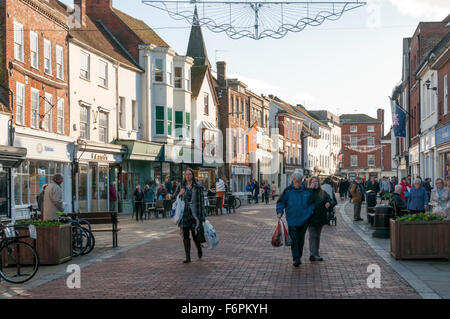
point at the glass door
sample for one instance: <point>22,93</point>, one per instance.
<point>94,189</point>
<point>103,188</point>
<point>3,194</point>
<point>83,188</point>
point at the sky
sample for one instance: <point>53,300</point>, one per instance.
<point>346,66</point>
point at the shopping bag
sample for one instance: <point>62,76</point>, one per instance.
<point>285,238</point>
<point>177,210</point>
<point>210,234</point>
<point>277,240</point>
<point>201,234</point>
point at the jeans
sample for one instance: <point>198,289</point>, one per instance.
<point>314,240</point>
<point>356,210</point>
<point>139,210</point>
<point>297,234</point>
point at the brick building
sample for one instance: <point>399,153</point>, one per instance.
<point>34,66</point>
<point>361,145</point>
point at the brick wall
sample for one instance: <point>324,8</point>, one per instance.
<point>387,157</point>
<point>51,27</point>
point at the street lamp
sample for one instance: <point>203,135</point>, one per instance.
<point>428,83</point>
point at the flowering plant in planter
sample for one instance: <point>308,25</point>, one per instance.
<point>422,217</point>
<point>39,222</point>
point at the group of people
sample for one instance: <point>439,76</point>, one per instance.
<point>254,188</point>
<point>306,204</point>
<point>404,197</point>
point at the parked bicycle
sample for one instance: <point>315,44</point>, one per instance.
<point>19,261</point>
<point>83,241</point>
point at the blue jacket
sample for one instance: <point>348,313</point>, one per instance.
<point>298,205</point>
<point>417,199</point>
<point>149,197</point>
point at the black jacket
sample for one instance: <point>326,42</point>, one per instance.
<point>320,215</point>
<point>373,186</point>
<point>398,201</point>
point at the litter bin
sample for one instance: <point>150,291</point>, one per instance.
<point>381,221</point>
<point>371,199</point>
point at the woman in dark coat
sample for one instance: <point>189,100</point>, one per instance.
<point>322,202</point>
<point>194,213</point>
<point>139,202</point>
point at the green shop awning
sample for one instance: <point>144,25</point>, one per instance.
<point>143,151</point>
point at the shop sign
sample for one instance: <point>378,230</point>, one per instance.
<point>241,170</point>
<point>99,157</point>
<point>447,170</point>
<point>443,135</point>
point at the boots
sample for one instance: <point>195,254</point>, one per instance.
<point>187,250</point>
<point>199,249</point>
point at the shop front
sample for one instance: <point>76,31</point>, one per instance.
<point>414,164</point>
<point>96,171</point>
<point>240,176</point>
<point>443,151</point>
<point>428,158</point>
<point>46,156</point>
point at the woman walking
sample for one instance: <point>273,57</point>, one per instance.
<point>322,202</point>
<point>139,202</point>
<point>194,213</point>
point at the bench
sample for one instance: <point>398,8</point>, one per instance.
<point>103,218</point>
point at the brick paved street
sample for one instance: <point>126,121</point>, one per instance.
<point>243,265</point>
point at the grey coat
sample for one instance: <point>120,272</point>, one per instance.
<point>53,201</point>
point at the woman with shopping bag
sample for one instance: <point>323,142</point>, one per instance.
<point>194,213</point>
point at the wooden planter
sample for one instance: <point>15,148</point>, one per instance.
<point>420,240</point>
<point>53,244</point>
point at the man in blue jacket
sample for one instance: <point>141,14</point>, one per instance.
<point>297,204</point>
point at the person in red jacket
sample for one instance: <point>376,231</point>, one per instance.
<point>406,187</point>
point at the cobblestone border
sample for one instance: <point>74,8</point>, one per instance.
<point>415,282</point>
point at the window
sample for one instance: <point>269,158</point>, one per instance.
<point>169,73</point>
<point>299,158</point>
<point>60,124</point>
<point>18,42</point>
<point>134,115</point>
<point>103,127</point>
<point>353,129</point>
<point>188,125</point>
<point>288,125</point>
<point>34,48</point>
<point>370,160</point>
<point>169,121</point>
<point>371,128</point>
<point>299,133</point>
<point>179,124</point>
<point>84,122</point>
<point>159,72</point>
<point>445,94</point>
<point>232,106</point>
<point>20,103</point>
<point>160,120</point>
<point>288,155</point>
<point>178,78</point>
<point>34,108</point>
<point>353,141</point>
<point>354,160</point>
<point>122,113</point>
<point>85,64</point>
<point>242,110</point>
<point>48,112</point>
<point>187,86</point>
<point>103,74</point>
<point>59,62</point>
<point>47,57</point>
<point>371,142</point>
<point>206,99</point>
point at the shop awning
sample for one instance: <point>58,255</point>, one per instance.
<point>143,151</point>
<point>209,126</point>
<point>12,157</point>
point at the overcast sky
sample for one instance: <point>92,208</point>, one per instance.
<point>345,66</point>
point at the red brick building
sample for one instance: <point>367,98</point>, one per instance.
<point>361,144</point>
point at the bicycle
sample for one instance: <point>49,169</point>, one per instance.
<point>19,261</point>
<point>237,201</point>
<point>83,241</point>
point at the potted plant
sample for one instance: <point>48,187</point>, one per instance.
<point>385,198</point>
<point>53,240</point>
<point>420,236</point>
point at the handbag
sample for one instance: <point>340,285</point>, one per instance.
<point>200,232</point>
<point>177,210</point>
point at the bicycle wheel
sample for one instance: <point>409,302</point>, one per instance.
<point>80,240</point>
<point>19,262</point>
<point>237,202</point>
<point>91,243</point>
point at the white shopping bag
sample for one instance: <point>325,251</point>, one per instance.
<point>210,234</point>
<point>177,210</point>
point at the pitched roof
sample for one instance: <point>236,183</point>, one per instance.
<point>357,118</point>
<point>285,108</point>
<point>310,132</point>
<point>196,46</point>
<point>141,29</point>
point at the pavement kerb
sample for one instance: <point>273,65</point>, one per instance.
<point>18,290</point>
<point>415,282</point>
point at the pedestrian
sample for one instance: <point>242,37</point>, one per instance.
<point>220,189</point>
<point>138,196</point>
<point>322,204</point>
<point>266,189</point>
<point>41,199</point>
<point>342,189</point>
<point>168,186</point>
<point>386,186</point>
<point>194,213</point>
<point>212,191</point>
<point>357,192</point>
<point>440,199</point>
<point>427,186</point>
<point>161,193</point>
<point>249,189</point>
<point>409,180</point>
<point>418,198</point>
<point>406,187</point>
<point>149,197</point>
<point>53,198</point>
<point>296,202</point>
<point>328,186</point>
<point>112,197</point>
<point>256,191</point>
<point>397,201</point>
<point>372,185</point>
<point>274,190</point>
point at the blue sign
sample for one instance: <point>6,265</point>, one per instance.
<point>443,135</point>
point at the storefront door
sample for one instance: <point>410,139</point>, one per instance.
<point>93,181</point>
<point>103,188</point>
<point>82,188</point>
<point>3,194</point>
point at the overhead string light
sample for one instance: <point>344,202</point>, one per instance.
<point>254,19</point>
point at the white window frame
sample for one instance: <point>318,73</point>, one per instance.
<point>103,73</point>
<point>103,127</point>
<point>371,128</point>
<point>34,121</point>
<point>20,103</point>
<point>355,140</point>
<point>47,57</point>
<point>159,70</point>
<point>48,111</point>
<point>187,80</point>
<point>59,62</point>
<point>178,79</point>
<point>371,138</point>
<point>60,116</point>
<point>122,112</point>
<point>87,131</point>
<point>353,129</point>
<point>370,156</point>
<point>134,115</point>
<point>85,70</point>
<point>288,155</point>
<point>19,51</point>
<point>352,162</point>
<point>34,49</point>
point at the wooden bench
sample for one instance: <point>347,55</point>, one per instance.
<point>103,218</point>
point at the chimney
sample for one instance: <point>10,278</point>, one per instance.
<point>97,8</point>
<point>221,73</point>
<point>380,117</point>
<point>81,4</point>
